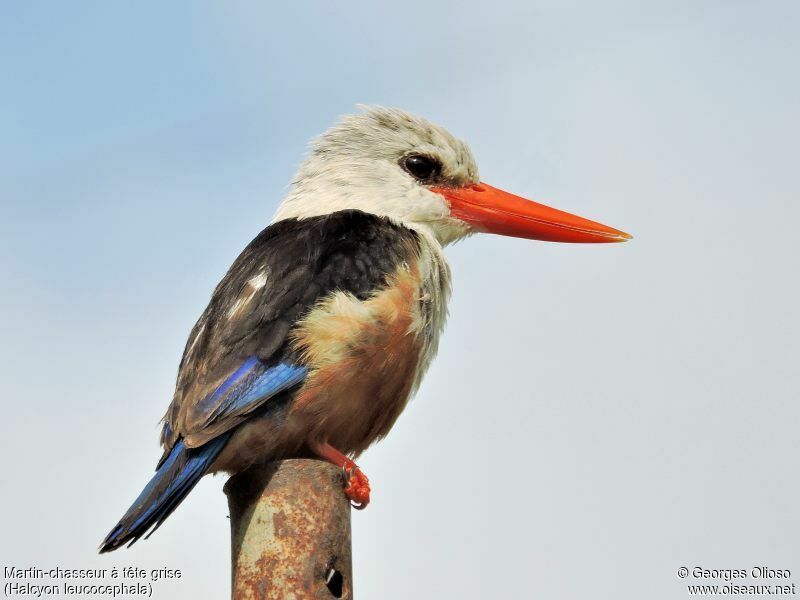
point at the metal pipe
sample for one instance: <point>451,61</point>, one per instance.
<point>290,532</point>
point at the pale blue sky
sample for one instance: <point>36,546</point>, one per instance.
<point>597,417</point>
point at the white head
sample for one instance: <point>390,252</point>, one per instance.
<point>364,163</point>
<point>389,163</point>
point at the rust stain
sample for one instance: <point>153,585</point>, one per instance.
<point>290,530</point>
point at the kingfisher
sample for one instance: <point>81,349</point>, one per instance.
<point>323,327</point>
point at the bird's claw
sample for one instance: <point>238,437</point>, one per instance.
<point>357,489</point>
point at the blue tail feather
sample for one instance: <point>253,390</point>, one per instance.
<point>174,479</point>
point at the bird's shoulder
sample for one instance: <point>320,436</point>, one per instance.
<point>347,250</point>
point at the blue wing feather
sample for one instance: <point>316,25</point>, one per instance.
<point>247,388</point>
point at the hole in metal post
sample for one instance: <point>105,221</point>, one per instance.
<point>335,583</point>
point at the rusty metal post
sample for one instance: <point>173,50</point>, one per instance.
<point>290,532</point>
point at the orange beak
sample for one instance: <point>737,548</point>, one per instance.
<point>488,209</point>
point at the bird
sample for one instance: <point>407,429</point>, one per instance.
<point>323,327</point>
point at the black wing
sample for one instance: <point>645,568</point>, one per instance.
<point>281,274</point>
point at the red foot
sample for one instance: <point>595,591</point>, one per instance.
<point>357,488</point>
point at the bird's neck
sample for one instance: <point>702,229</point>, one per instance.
<point>436,283</point>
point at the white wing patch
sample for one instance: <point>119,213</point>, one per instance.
<point>254,284</point>
<point>195,339</point>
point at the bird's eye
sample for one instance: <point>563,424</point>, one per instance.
<point>421,166</point>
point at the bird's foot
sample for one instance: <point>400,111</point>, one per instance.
<point>357,484</point>
<point>357,488</point>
